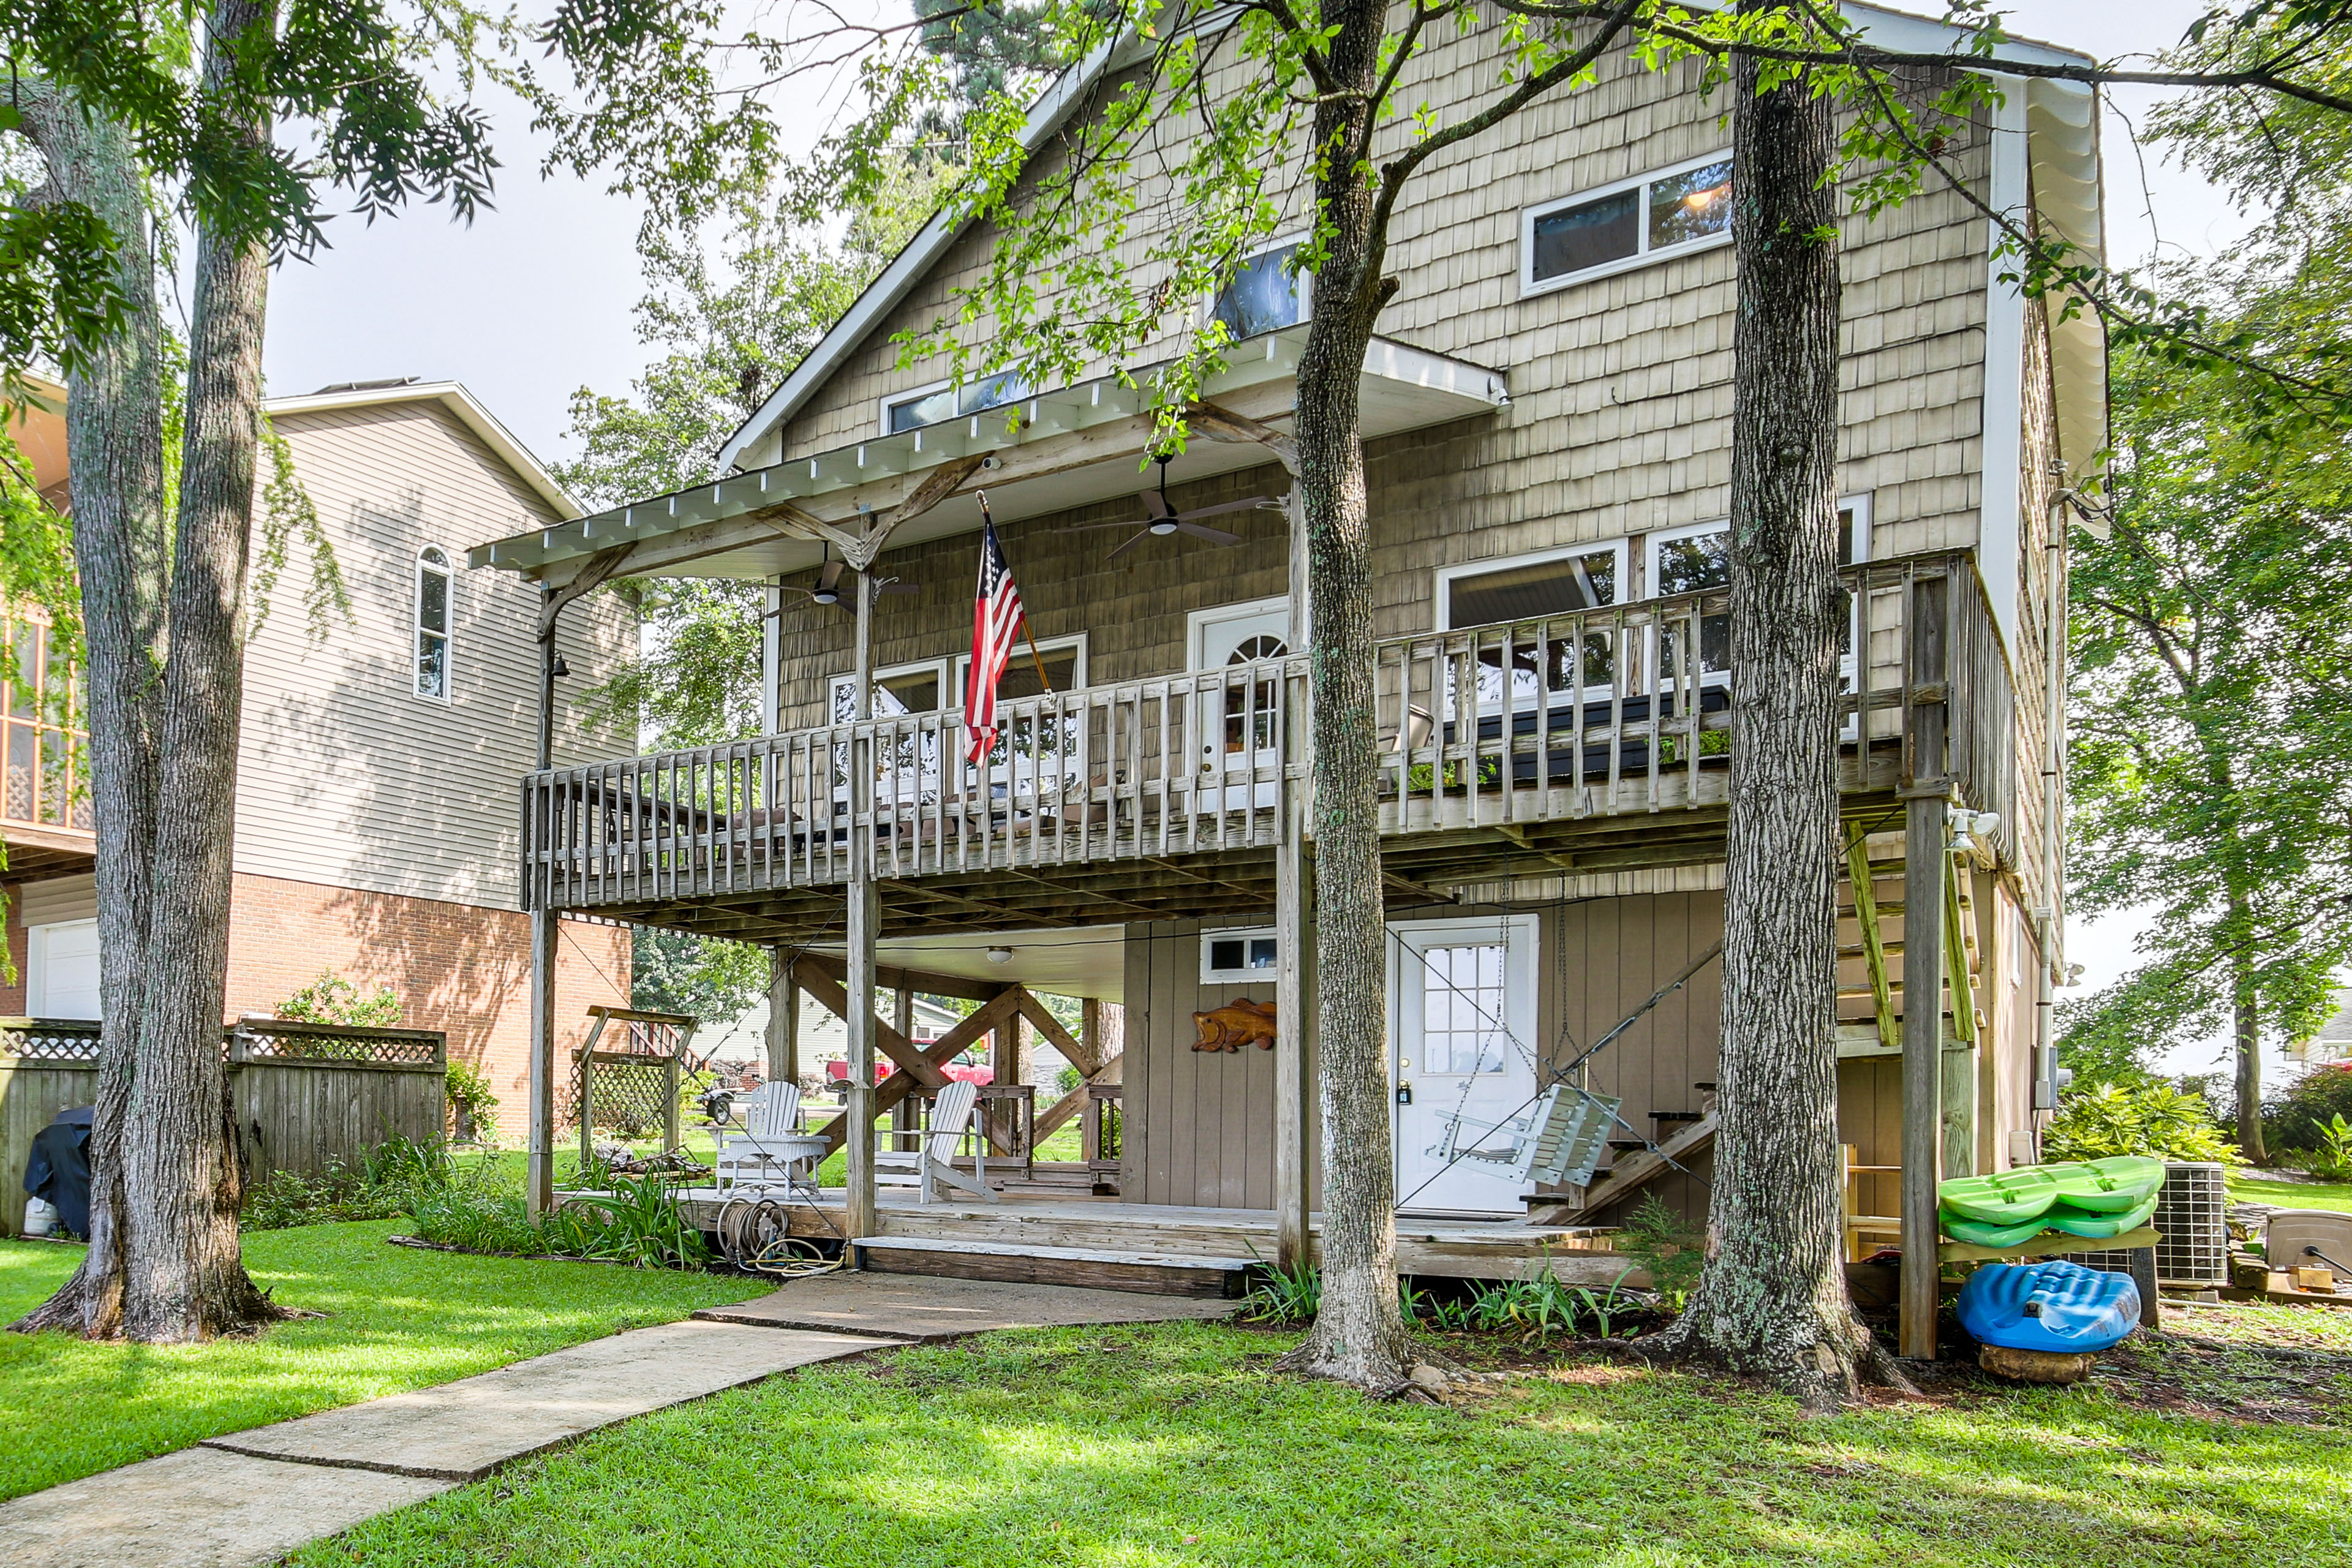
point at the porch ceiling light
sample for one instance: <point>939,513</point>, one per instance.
<point>1000,955</point>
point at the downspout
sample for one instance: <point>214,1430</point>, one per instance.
<point>2049,919</point>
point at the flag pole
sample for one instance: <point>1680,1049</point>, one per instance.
<point>1043,684</point>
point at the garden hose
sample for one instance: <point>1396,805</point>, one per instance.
<point>755,1235</point>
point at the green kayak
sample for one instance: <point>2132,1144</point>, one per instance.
<point>1980,1233</point>
<point>2005,1198</point>
<point>2099,1226</point>
<point>2108,1186</point>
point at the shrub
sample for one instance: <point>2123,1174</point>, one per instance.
<point>381,1183</point>
<point>470,1100</point>
<point>1665,1243</point>
<point>2332,1160</point>
<point>2155,1119</point>
<point>331,999</point>
<point>2293,1118</point>
<point>1066,1081</point>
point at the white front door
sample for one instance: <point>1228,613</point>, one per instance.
<point>1240,721</point>
<point>1462,1011</point>
<point>61,969</point>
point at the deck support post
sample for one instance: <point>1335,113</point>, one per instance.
<point>1294,938</point>
<point>1926,865</point>
<point>538,1173</point>
<point>864,915</point>
<point>784,1019</point>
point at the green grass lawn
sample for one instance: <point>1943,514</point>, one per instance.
<point>1173,1446</point>
<point>2245,1189</point>
<point>397,1318</point>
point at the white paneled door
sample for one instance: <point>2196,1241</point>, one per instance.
<point>1463,1028</point>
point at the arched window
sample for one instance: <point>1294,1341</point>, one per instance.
<point>433,588</point>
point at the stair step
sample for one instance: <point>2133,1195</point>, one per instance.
<point>1150,1273</point>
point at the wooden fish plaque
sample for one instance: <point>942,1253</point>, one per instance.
<point>1236,1023</point>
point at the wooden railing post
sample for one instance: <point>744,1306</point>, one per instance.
<point>1927,794</point>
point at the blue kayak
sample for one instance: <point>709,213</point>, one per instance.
<point>2049,1306</point>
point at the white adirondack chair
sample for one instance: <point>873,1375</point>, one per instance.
<point>772,1150</point>
<point>928,1164</point>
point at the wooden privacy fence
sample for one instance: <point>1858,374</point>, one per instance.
<point>304,1095</point>
<point>1608,712</point>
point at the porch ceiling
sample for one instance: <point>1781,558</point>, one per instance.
<point>1072,447</point>
<point>1088,961</point>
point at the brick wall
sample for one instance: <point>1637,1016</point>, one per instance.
<point>459,968</point>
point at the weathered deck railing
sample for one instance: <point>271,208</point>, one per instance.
<point>1621,710</point>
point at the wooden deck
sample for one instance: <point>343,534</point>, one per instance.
<point>1466,1249</point>
<point>1565,743</point>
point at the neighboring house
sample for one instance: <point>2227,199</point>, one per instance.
<point>2333,1040</point>
<point>378,770</point>
<point>1548,419</point>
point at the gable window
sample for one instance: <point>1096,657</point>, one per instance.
<point>945,400</point>
<point>1694,560</point>
<point>1537,588</point>
<point>433,594</point>
<point>1238,957</point>
<point>1264,294</point>
<point>1596,233</point>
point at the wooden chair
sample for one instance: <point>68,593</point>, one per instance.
<point>772,1147</point>
<point>931,1162</point>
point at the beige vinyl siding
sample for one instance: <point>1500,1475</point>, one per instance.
<point>1620,419</point>
<point>345,777</point>
<point>57,899</point>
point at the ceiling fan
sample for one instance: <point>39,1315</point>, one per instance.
<point>835,586</point>
<point>1161,518</point>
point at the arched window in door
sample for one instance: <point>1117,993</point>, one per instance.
<point>1250,715</point>
<point>434,583</point>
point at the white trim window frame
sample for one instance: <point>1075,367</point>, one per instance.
<point>1602,664</point>
<point>1645,224</point>
<point>1256,941</point>
<point>914,773</point>
<point>1302,285</point>
<point>1006,769</point>
<point>969,399</point>
<point>1857,509</point>
<point>432,647</point>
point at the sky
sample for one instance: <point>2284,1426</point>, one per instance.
<point>533,299</point>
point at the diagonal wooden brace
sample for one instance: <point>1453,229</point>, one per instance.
<point>936,1055</point>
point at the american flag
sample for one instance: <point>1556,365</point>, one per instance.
<point>996,621</point>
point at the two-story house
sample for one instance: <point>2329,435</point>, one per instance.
<point>378,766</point>
<point>1546,415</point>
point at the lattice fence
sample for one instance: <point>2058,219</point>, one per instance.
<point>49,1039</point>
<point>264,1039</point>
<point>629,1097</point>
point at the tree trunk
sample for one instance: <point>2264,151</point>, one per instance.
<point>115,440</point>
<point>1773,1300</point>
<point>2246,1024</point>
<point>1358,1335</point>
<point>164,1265</point>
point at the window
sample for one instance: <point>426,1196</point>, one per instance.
<point>1065,666</point>
<point>1238,957</point>
<point>1264,294</point>
<point>1693,560</point>
<point>1536,588</point>
<point>1462,1002</point>
<point>1600,232</point>
<point>903,689</point>
<point>931,405</point>
<point>433,594</point>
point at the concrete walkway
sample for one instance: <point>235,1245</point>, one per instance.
<point>252,1497</point>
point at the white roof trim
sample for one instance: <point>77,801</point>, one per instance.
<point>1892,29</point>
<point>1463,388</point>
<point>470,413</point>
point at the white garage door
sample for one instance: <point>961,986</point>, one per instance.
<point>62,970</point>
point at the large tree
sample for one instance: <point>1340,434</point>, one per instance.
<point>282,105</point>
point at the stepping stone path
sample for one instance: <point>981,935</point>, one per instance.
<point>252,1497</point>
